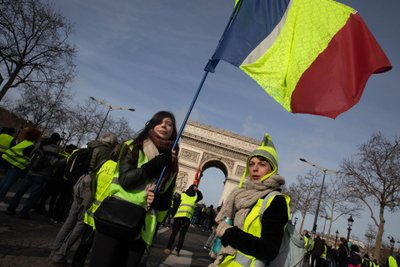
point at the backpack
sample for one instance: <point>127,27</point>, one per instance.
<point>38,160</point>
<point>292,250</point>
<point>78,164</point>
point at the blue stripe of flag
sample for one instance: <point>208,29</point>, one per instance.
<point>254,21</point>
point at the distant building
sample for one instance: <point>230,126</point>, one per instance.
<point>12,120</point>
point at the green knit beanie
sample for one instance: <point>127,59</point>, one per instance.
<point>267,151</point>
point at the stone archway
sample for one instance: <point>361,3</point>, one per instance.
<point>207,146</point>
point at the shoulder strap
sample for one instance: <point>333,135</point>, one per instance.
<point>268,198</point>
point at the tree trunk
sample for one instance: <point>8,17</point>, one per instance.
<point>302,222</point>
<point>10,81</point>
<point>3,91</point>
<point>378,242</point>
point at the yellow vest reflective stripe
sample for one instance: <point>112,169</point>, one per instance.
<point>5,141</point>
<point>252,225</point>
<point>15,156</point>
<point>104,177</point>
<point>137,195</point>
<point>68,156</point>
<point>186,208</point>
<point>392,261</point>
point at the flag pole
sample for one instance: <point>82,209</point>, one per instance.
<point>210,67</point>
<point>183,125</point>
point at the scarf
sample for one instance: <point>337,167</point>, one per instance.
<point>153,145</point>
<point>161,144</point>
<point>241,201</point>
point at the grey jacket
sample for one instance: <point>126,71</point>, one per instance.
<point>101,153</point>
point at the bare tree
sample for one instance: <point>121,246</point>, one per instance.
<point>84,122</point>
<point>34,47</point>
<point>370,235</point>
<point>336,202</point>
<point>302,194</point>
<point>121,129</point>
<point>44,107</point>
<point>373,177</point>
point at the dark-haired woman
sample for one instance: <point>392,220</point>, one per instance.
<point>141,163</point>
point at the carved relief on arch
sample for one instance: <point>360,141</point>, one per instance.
<point>182,181</point>
<point>189,155</point>
<point>240,170</point>
<point>208,156</point>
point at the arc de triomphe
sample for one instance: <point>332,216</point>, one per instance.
<point>206,146</point>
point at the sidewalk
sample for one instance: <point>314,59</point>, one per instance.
<point>26,242</point>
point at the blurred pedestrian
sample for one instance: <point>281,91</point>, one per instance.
<point>209,218</point>
<point>354,259</point>
<point>18,159</point>
<point>7,140</point>
<point>343,253</point>
<point>74,226</point>
<point>38,176</point>
<point>182,218</point>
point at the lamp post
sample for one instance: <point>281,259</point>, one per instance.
<point>324,170</point>
<point>392,241</point>
<point>109,108</point>
<point>350,221</point>
<point>336,237</point>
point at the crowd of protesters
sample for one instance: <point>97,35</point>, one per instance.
<point>321,253</point>
<point>39,164</point>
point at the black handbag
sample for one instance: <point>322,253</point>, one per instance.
<point>119,218</point>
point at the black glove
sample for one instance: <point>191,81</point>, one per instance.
<point>155,166</point>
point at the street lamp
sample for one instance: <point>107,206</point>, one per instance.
<point>109,108</point>
<point>350,221</point>
<point>324,170</point>
<point>392,241</point>
<point>336,237</point>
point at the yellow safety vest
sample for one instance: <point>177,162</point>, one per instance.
<point>186,207</point>
<point>104,178</point>
<point>252,225</point>
<point>323,255</point>
<point>306,241</point>
<point>392,261</point>
<point>138,196</point>
<point>5,141</point>
<point>15,156</point>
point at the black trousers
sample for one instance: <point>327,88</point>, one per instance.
<point>181,225</point>
<point>109,252</point>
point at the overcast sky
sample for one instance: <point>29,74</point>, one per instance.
<point>150,55</point>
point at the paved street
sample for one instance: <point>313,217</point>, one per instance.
<point>28,242</point>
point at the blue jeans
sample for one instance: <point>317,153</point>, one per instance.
<point>12,176</point>
<point>37,183</point>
